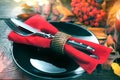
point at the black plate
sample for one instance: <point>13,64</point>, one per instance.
<point>45,63</point>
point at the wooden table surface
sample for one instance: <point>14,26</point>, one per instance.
<point>8,69</point>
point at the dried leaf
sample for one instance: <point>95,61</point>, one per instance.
<point>109,40</point>
<point>116,68</point>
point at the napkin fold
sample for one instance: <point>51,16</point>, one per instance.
<point>87,62</point>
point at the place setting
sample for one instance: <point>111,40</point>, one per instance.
<point>63,40</point>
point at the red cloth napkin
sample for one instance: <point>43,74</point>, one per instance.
<point>87,62</point>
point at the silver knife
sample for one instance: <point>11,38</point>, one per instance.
<point>35,31</point>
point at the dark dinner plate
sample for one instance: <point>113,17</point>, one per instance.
<point>47,64</point>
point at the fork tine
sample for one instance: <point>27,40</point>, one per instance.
<point>11,25</point>
<point>14,27</point>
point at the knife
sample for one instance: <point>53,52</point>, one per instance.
<point>33,30</point>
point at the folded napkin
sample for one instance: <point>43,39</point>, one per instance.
<point>87,62</point>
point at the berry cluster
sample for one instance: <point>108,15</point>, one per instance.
<point>88,12</point>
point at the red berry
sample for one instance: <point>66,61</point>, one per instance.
<point>96,5</point>
<point>84,10</point>
<point>102,13</point>
<point>80,19</point>
<point>73,4</point>
<point>96,24</point>
<point>92,2</point>
<point>100,19</point>
<point>88,1</point>
<point>85,17</point>
<point>92,23</point>
<point>86,22</point>
<point>83,1</point>
<point>88,9</point>
<point>91,7</point>
<point>91,14</point>
<point>78,1</point>
<point>98,16</point>
<point>86,4</point>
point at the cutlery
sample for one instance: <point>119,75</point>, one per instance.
<point>25,30</point>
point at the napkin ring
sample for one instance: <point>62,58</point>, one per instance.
<point>59,41</point>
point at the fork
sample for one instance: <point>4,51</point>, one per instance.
<point>24,32</point>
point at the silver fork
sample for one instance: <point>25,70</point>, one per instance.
<point>24,32</point>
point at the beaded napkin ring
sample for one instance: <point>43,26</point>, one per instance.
<point>59,41</point>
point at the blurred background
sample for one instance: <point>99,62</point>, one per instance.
<point>9,8</point>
